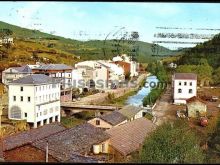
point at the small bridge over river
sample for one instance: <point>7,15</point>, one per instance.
<point>70,108</point>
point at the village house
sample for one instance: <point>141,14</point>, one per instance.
<point>184,86</point>
<point>34,98</point>
<point>131,112</point>
<point>15,73</point>
<point>128,138</point>
<point>6,40</point>
<point>134,66</point>
<point>81,144</point>
<point>108,120</point>
<point>195,107</point>
<point>95,74</point>
<point>61,71</point>
<point>101,73</point>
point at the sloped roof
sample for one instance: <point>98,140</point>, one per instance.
<point>128,137</point>
<point>54,67</point>
<point>130,111</point>
<point>35,79</point>
<point>113,118</point>
<point>22,69</point>
<point>193,99</point>
<point>185,76</point>
<point>20,139</point>
<point>75,158</point>
<point>73,140</point>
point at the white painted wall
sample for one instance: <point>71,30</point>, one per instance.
<point>182,97</point>
<point>44,98</point>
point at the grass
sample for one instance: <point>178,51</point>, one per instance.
<point>71,121</point>
<point>148,116</point>
<point>120,101</point>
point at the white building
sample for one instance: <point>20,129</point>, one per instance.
<point>6,40</point>
<point>184,86</point>
<point>36,99</point>
<point>134,66</point>
<point>61,71</point>
<point>94,71</point>
<point>15,73</point>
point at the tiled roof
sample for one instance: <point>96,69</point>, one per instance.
<point>113,118</point>
<point>128,137</point>
<point>185,76</point>
<point>193,99</point>
<point>25,69</point>
<point>54,67</point>
<point>78,139</point>
<point>75,158</point>
<point>130,111</point>
<point>35,79</point>
<point>17,140</point>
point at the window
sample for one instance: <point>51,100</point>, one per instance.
<point>190,90</point>
<point>45,112</point>
<point>36,89</point>
<point>21,98</point>
<point>40,113</point>
<point>69,75</point>
<point>185,83</point>
<point>179,83</point>
<point>190,83</point>
<point>97,122</point>
<point>179,90</point>
<point>37,114</point>
<point>25,114</point>
<point>29,99</point>
<point>22,89</point>
<point>14,98</point>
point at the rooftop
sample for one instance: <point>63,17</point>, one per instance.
<point>74,140</point>
<point>193,99</point>
<point>113,118</point>
<point>54,67</point>
<point>35,79</point>
<point>128,137</point>
<point>130,111</point>
<point>22,69</point>
<point>185,76</point>
<point>19,139</point>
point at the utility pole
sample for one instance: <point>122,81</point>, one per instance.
<point>47,153</point>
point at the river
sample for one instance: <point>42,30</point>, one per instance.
<point>136,99</point>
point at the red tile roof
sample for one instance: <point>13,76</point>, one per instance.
<point>185,76</point>
<point>193,99</point>
<point>128,137</point>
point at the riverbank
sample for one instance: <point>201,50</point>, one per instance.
<point>101,98</point>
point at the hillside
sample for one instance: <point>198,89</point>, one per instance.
<point>209,50</point>
<point>95,49</point>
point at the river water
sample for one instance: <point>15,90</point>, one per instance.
<point>136,99</point>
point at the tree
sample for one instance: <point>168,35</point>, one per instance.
<point>172,143</point>
<point>216,76</point>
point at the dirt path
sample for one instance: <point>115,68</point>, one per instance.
<point>164,109</point>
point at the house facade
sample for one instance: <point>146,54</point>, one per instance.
<point>15,73</point>
<point>61,71</point>
<point>6,40</point>
<point>196,107</point>
<point>36,99</point>
<point>94,71</point>
<point>134,66</point>
<point>184,86</point>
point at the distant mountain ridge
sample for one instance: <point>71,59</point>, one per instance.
<point>93,49</point>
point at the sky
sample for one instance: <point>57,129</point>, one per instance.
<point>100,20</point>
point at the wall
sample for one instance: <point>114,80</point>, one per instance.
<point>193,107</point>
<point>185,90</point>
<point>103,124</point>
